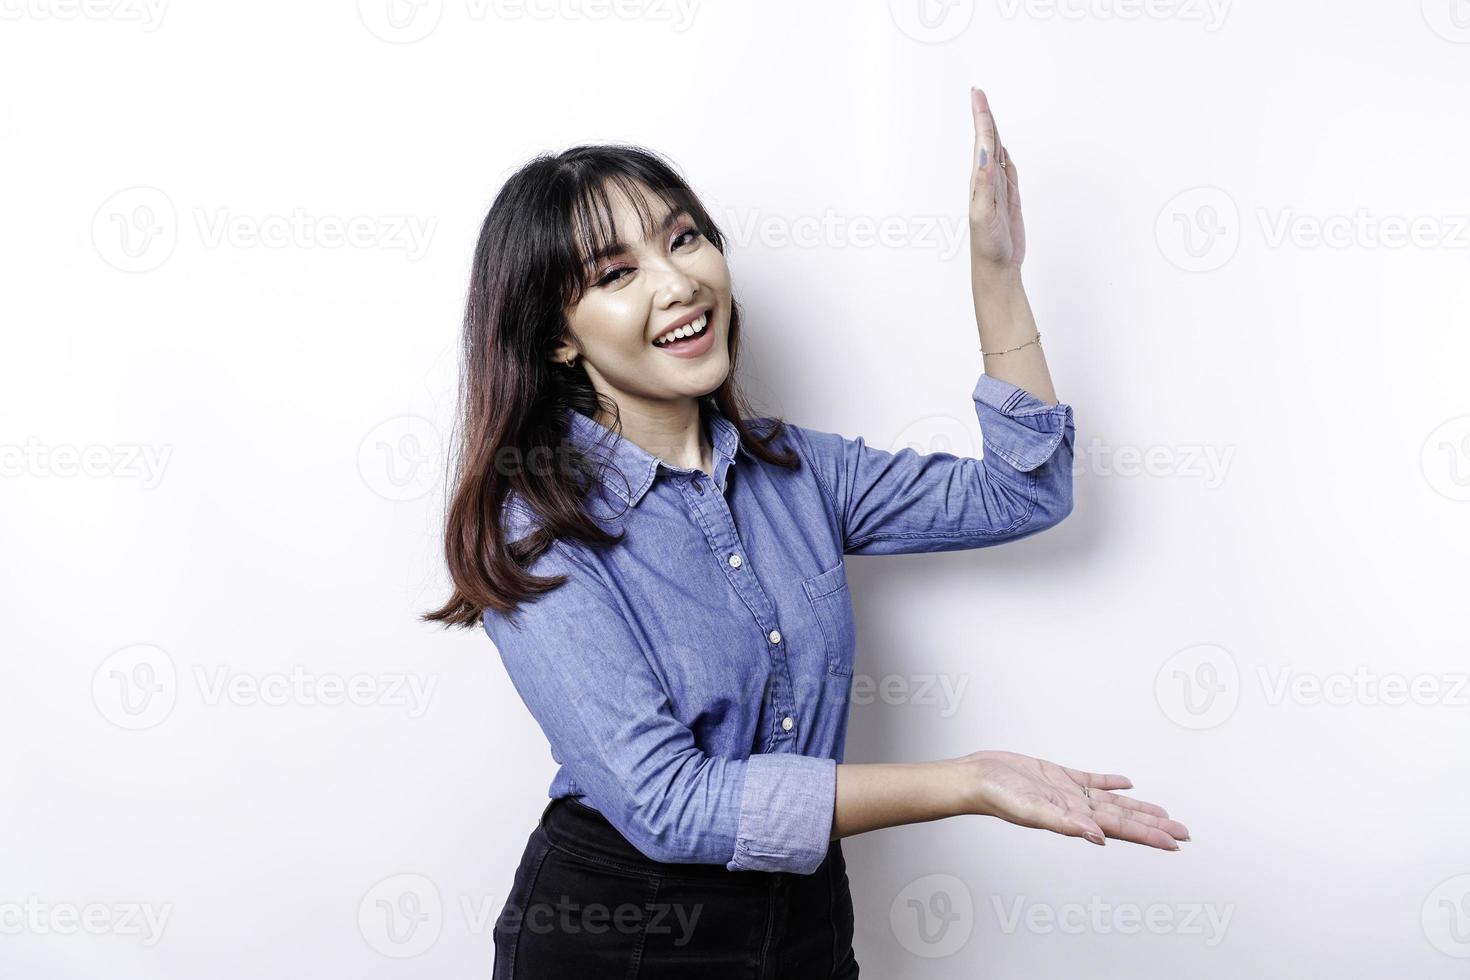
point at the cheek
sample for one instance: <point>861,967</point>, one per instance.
<point>609,322</point>
<point>711,268</point>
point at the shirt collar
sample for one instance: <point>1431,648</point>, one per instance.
<point>633,469</point>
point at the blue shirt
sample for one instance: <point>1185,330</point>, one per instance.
<point>693,681</point>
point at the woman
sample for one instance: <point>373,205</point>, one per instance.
<point>662,575</point>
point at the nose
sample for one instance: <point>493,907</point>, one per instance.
<point>677,287</point>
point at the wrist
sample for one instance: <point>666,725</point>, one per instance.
<point>959,792</point>
<point>995,276</point>
<point>970,791</point>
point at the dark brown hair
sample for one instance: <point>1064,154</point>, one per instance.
<point>528,272</point>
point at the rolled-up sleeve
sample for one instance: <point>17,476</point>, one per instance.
<point>785,813</point>
<point>584,672</point>
<point>906,501</point>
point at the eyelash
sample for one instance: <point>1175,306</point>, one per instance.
<point>607,277</point>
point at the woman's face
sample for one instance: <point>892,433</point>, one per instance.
<point>638,295</point>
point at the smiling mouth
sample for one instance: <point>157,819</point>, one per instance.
<point>686,335</point>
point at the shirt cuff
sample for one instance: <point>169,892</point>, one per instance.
<point>1017,426</point>
<point>786,809</point>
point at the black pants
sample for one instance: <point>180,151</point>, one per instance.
<point>587,905</point>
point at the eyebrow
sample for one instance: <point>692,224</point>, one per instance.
<point>669,220</point>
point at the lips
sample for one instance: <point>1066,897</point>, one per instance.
<point>684,321</point>
<point>693,346</point>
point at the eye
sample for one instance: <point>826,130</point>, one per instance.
<point>613,275</point>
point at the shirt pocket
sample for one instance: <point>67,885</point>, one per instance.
<point>832,605</point>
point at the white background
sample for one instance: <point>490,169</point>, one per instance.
<point>222,462</point>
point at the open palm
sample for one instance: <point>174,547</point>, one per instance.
<point>1037,793</point>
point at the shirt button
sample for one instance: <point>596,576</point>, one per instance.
<point>787,723</point>
<point>775,636</point>
<point>735,561</point>
<point>698,485</point>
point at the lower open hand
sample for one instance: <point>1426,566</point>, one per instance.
<point>1037,793</point>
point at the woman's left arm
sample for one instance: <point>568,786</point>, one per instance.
<point>1008,332</point>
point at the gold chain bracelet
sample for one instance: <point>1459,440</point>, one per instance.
<point>1034,340</point>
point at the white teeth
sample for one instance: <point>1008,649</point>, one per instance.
<point>682,332</point>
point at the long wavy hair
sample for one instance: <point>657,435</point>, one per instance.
<point>528,271</point>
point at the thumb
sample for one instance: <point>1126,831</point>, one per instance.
<point>1082,827</point>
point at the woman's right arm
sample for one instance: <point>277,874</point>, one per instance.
<point>584,673</point>
<point>1016,788</point>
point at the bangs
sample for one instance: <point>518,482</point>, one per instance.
<point>592,234</point>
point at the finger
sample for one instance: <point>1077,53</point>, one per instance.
<point>1070,821</point>
<point>1173,828</point>
<point>1013,180</point>
<point>1121,827</point>
<point>1098,780</point>
<point>1129,802</point>
<point>1002,155</point>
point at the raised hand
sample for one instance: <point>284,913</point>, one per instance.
<point>997,235</point>
<point>1035,793</point>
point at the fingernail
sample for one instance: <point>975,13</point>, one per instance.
<point>1095,838</point>
<point>1186,838</point>
<point>982,103</point>
<point>983,157</point>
